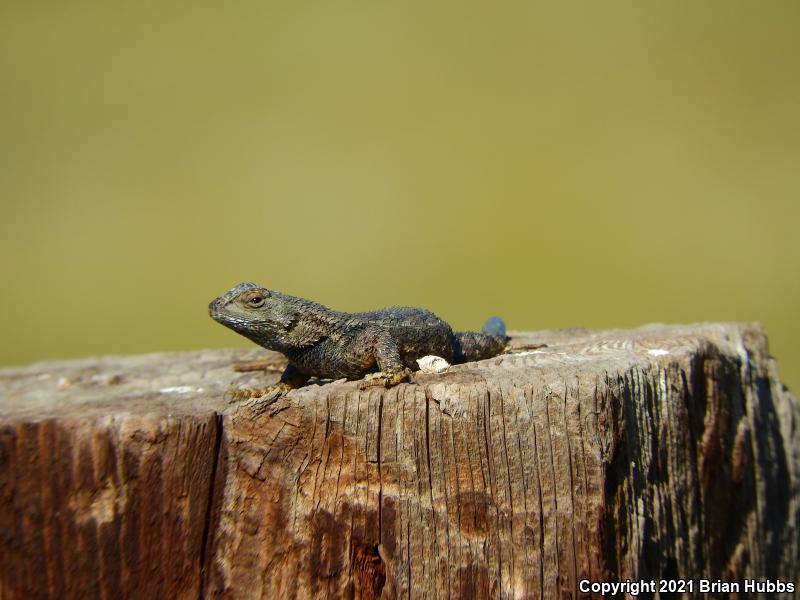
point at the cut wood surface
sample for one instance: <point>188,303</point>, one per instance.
<point>654,453</point>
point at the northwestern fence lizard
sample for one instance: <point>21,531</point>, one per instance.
<point>382,345</point>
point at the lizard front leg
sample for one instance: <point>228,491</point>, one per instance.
<point>291,378</point>
<point>386,354</point>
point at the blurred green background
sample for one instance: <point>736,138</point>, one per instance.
<point>560,164</point>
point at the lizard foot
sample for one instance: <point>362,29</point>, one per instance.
<point>385,378</point>
<point>257,396</point>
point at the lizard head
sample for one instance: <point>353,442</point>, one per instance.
<point>262,315</point>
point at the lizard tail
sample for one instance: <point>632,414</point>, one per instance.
<point>469,346</point>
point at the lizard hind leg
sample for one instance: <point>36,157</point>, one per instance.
<point>390,364</point>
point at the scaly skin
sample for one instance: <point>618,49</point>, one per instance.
<point>382,345</point>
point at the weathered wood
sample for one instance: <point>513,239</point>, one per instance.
<point>650,453</point>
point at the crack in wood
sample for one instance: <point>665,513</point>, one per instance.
<point>209,516</point>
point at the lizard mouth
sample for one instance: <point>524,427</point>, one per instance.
<point>214,308</point>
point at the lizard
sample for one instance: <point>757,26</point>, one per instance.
<point>381,346</point>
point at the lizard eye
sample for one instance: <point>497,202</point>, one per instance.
<point>255,301</point>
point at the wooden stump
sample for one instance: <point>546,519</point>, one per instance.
<point>662,452</point>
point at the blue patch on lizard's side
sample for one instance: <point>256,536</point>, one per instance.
<point>495,326</point>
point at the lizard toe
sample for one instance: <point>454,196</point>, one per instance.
<point>253,396</point>
<point>384,379</point>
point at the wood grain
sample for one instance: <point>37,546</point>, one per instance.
<point>664,451</point>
